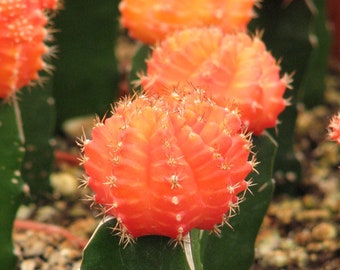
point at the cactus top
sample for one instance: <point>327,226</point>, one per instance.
<point>22,35</point>
<point>232,68</point>
<point>151,20</point>
<point>163,166</point>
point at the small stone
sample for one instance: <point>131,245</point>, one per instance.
<point>325,246</point>
<point>310,201</point>
<point>286,210</point>
<point>46,213</point>
<point>35,248</point>
<point>303,237</point>
<point>276,258</point>
<point>70,254</point>
<point>28,265</point>
<point>75,127</point>
<point>267,241</point>
<point>25,211</point>
<point>299,256</point>
<point>314,214</point>
<point>324,231</point>
<point>48,251</point>
<point>64,183</point>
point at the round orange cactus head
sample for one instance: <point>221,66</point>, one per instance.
<point>232,68</point>
<point>22,34</point>
<point>334,128</point>
<point>163,166</point>
<point>151,20</point>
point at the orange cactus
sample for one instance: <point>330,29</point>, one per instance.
<point>165,166</point>
<point>22,35</point>
<point>151,20</point>
<point>232,68</point>
<point>334,128</point>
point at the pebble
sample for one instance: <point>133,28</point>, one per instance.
<point>314,214</point>
<point>35,248</point>
<point>276,258</point>
<point>324,231</point>
<point>28,264</point>
<point>46,213</point>
<point>25,211</point>
<point>303,237</point>
<point>64,183</point>
<point>75,127</point>
<point>268,240</point>
<point>299,256</point>
<point>286,210</point>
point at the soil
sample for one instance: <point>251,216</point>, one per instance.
<point>297,233</point>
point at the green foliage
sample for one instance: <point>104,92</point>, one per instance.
<point>104,252</point>
<point>287,31</point>
<point>11,184</point>
<point>86,72</point>
<point>233,250</point>
<point>38,116</point>
<point>313,82</point>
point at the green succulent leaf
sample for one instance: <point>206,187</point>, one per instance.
<point>286,29</point>
<point>104,252</point>
<point>313,83</point>
<point>235,248</point>
<point>38,116</point>
<point>11,184</point>
<point>86,71</point>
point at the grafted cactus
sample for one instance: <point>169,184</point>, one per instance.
<point>23,30</point>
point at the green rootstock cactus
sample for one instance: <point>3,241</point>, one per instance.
<point>11,183</point>
<point>295,32</point>
<point>86,71</point>
<point>38,127</point>
<point>23,29</point>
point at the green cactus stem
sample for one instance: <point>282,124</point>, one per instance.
<point>11,184</point>
<point>86,71</point>
<point>286,26</point>
<point>103,252</point>
<point>38,116</point>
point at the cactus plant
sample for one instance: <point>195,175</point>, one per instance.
<point>11,184</point>
<point>163,186</point>
<point>86,63</point>
<point>233,68</point>
<point>39,142</point>
<point>22,35</point>
<point>151,21</point>
<point>160,84</point>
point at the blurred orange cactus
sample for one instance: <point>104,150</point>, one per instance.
<point>22,35</point>
<point>232,68</point>
<point>151,20</point>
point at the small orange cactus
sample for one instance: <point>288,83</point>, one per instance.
<point>232,68</point>
<point>334,128</point>
<point>151,20</point>
<point>22,35</point>
<point>165,166</point>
